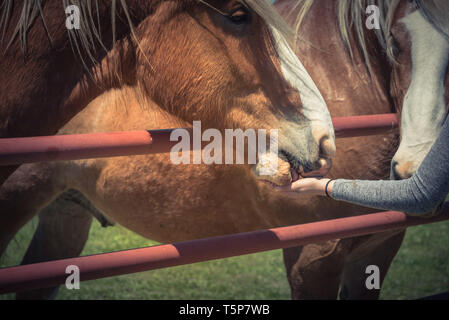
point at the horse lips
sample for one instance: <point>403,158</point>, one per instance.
<point>284,175</point>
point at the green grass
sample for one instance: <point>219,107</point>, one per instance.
<point>421,268</point>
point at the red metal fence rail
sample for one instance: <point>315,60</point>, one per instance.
<point>97,145</point>
<point>52,273</point>
<point>46,274</point>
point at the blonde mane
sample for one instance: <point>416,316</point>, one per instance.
<point>269,14</point>
<point>86,39</point>
<point>89,36</point>
<point>351,17</point>
<point>350,14</point>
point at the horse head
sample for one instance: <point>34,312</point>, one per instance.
<point>421,36</point>
<point>229,64</point>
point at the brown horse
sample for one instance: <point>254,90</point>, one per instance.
<point>412,42</point>
<point>43,84</point>
<point>160,200</point>
<point>359,71</point>
<point>168,203</point>
<point>227,64</point>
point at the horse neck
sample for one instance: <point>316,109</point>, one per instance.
<point>53,67</point>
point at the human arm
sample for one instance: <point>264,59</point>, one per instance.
<point>421,193</point>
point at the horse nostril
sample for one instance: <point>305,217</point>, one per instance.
<point>394,175</point>
<point>402,169</point>
<point>327,147</point>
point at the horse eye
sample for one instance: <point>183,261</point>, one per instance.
<point>240,15</point>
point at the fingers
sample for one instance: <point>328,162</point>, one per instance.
<point>287,188</point>
<point>304,185</point>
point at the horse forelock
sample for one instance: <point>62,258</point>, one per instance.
<point>351,17</point>
<point>272,18</point>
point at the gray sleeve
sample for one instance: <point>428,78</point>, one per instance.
<point>421,193</point>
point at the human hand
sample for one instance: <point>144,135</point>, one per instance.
<point>310,186</point>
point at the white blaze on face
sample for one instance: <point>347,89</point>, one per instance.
<point>424,108</point>
<point>314,107</point>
